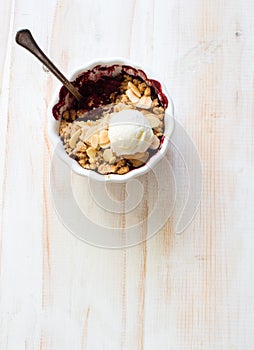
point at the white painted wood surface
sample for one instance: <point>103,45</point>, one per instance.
<point>192,291</point>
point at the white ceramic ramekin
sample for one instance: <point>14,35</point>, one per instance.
<point>74,166</point>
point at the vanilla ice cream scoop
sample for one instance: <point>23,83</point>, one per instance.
<point>129,132</point>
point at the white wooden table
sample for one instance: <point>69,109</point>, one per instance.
<point>177,292</point>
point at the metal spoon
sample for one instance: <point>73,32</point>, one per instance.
<point>25,39</point>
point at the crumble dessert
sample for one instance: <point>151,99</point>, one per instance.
<point>119,126</point>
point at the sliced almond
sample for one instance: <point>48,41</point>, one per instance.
<point>147,92</point>
<point>154,122</point>
<point>81,146</point>
<point>84,132</point>
<point>103,137</point>
<point>92,130</point>
<point>140,155</point>
<point>91,152</point>
<point>134,89</point>
<point>108,156</point>
<point>105,145</point>
<point>144,102</point>
<point>74,139</point>
<point>155,143</point>
<point>95,141</point>
<point>132,97</point>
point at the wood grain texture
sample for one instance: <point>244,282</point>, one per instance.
<point>175,292</point>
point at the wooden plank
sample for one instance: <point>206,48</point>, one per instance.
<point>192,291</point>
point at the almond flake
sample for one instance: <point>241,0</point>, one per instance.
<point>132,97</point>
<point>92,130</point>
<point>91,152</point>
<point>95,141</point>
<point>155,143</point>
<point>134,89</point>
<point>154,122</point>
<point>105,145</point>
<point>103,137</point>
<point>145,102</point>
<point>74,139</point>
<point>147,92</point>
<point>108,156</point>
<point>140,156</point>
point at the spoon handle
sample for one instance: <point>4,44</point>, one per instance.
<point>25,39</point>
